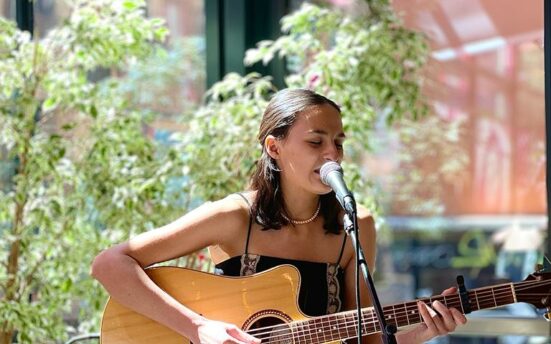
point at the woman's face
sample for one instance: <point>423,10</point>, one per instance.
<point>316,137</point>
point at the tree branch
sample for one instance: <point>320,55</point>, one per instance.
<point>30,276</point>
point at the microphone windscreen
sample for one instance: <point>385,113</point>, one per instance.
<point>327,168</point>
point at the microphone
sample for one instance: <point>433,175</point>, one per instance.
<point>332,175</point>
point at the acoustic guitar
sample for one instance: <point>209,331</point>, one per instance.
<point>265,305</point>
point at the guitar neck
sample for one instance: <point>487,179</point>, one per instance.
<point>344,325</point>
<point>482,298</point>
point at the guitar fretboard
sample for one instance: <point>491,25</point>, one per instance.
<point>344,325</point>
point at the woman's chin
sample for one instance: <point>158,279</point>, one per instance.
<point>324,190</point>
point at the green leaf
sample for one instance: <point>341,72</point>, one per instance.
<point>130,5</point>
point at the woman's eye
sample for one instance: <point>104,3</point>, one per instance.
<point>315,142</point>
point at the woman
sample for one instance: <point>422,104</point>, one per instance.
<point>287,216</point>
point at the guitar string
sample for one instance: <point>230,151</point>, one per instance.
<point>498,296</point>
<point>350,325</point>
<point>331,317</point>
<point>286,329</point>
<point>479,295</point>
<point>528,284</point>
<point>478,292</point>
<point>410,305</point>
<point>310,333</point>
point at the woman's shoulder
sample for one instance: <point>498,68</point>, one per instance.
<point>243,199</point>
<point>234,217</point>
<point>367,236</point>
<point>231,202</point>
<point>367,223</point>
<point>236,204</point>
<point>234,209</point>
<point>364,214</point>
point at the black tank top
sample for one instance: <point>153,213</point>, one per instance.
<point>322,284</point>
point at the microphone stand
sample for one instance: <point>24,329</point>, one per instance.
<point>387,330</point>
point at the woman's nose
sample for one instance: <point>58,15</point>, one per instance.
<point>332,153</point>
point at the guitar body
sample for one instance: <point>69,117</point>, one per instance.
<point>265,305</point>
<point>242,301</point>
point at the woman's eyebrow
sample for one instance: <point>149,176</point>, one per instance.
<point>323,132</point>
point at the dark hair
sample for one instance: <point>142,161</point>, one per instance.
<point>280,114</point>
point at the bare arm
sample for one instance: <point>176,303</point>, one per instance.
<point>120,268</point>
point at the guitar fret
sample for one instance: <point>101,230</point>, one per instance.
<point>340,326</point>
<point>312,331</point>
<point>513,292</point>
<point>335,328</point>
<point>320,330</point>
<point>455,302</point>
<point>390,318</point>
<point>351,319</point>
<point>293,336</point>
<point>476,298</point>
<point>323,329</point>
<point>461,305</point>
<point>365,318</point>
<point>375,321</point>
<point>298,332</point>
<point>327,334</point>
<point>355,315</point>
<point>348,334</point>
<point>415,312</point>
<point>494,296</point>
<point>407,313</point>
<point>332,327</point>
<point>345,326</point>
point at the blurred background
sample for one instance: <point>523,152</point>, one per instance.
<point>445,100</point>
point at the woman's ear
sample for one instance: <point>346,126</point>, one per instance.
<point>272,146</point>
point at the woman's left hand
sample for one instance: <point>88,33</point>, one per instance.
<point>438,320</point>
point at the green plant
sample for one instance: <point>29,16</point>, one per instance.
<point>369,64</point>
<point>84,173</point>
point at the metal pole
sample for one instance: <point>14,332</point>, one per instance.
<point>547,57</point>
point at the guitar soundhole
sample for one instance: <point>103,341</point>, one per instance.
<point>270,327</point>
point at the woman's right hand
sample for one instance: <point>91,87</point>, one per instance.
<point>217,332</point>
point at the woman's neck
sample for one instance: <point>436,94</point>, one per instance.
<point>300,205</point>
